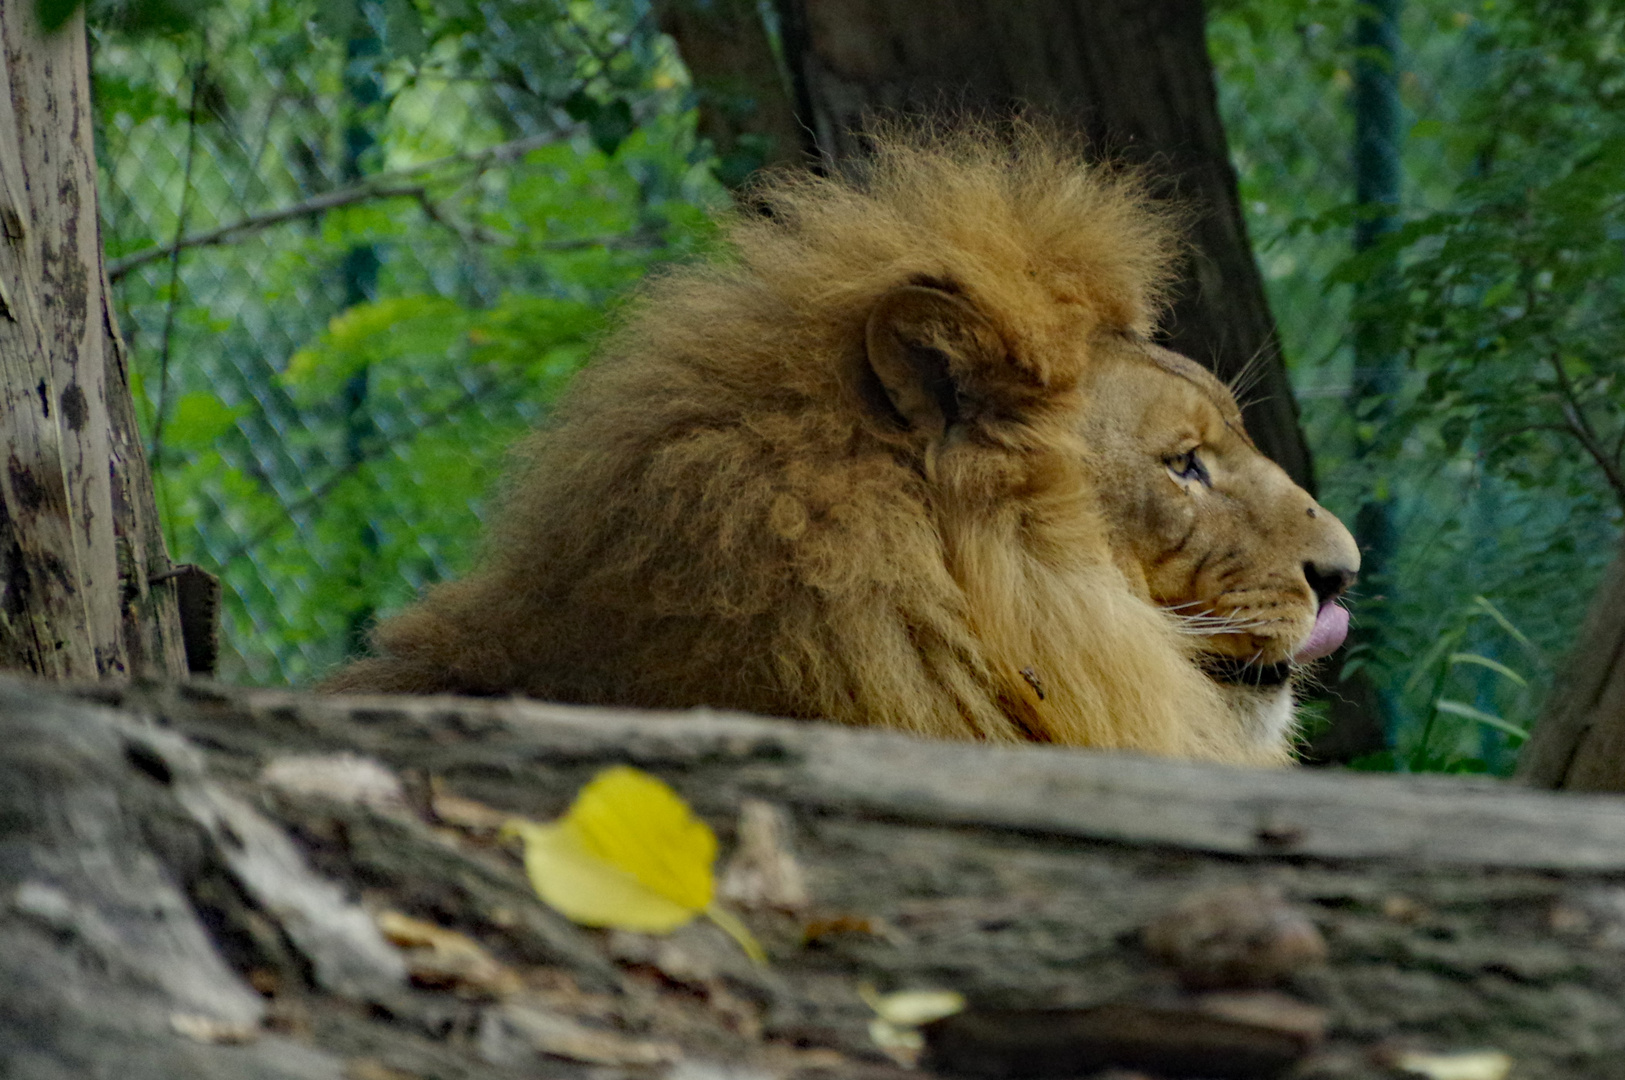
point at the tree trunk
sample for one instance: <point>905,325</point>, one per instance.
<point>1579,742</point>
<point>200,882</point>
<point>80,546</point>
<point>745,109</point>
<point>1135,77</point>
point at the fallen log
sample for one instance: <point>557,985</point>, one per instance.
<point>211,882</point>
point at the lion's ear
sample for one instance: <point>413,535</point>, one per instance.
<point>926,348</point>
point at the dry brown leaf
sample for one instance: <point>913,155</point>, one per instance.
<point>763,873</point>
<point>461,813</point>
<point>345,778</point>
<point>373,1069</point>
<point>441,958</point>
<point>207,1029</point>
<point>1271,1009</point>
<point>828,926</point>
<point>561,1036</point>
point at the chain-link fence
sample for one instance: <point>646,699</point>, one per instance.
<point>354,258</point>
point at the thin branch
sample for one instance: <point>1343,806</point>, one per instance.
<point>311,207</point>
<point>390,185</point>
<point>174,300</point>
<point>1569,404</point>
<point>1579,425</point>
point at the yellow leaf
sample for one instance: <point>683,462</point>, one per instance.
<point>628,854</point>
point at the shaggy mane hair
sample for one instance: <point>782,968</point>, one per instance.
<point>724,511</point>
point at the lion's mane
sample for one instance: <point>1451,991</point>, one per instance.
<point>720,514</point>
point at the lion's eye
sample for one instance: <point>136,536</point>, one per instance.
<point>1188,466</point>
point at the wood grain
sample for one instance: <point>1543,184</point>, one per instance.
<point>167,848</point>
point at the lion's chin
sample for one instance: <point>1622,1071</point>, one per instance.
<point>1246,671</point>
<point>1266,714</point>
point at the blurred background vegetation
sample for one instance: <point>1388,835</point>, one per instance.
<point>358,246</point>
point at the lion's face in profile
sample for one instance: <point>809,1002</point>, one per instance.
<point>1218,536</point>
<point>907,458</point>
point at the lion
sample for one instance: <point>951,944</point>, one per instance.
<point>905,454</point>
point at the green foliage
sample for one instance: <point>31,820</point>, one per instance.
<point>54,14</point>
<point>1499,291</point>
<point>1508,303</point>
<point>331,457</point>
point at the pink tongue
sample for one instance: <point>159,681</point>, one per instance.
<point>1331,627</point>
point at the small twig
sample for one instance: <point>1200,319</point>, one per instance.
<point>1579,425</point>
<point>390,185</point>
<point>470,235</point>
<point>1569,404</point>
<point>311,207</point>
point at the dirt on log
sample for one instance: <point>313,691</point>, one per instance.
<point>205,882</point>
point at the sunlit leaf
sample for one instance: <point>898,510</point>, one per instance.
<point>1483,603</point>
<point>911,1008</point>
<point>628,854</point>
<point>198,419</point>
<point>1466,711</point>
<point>1471,1065</point>
<point>1493,665</point>
<point>895,1027</point>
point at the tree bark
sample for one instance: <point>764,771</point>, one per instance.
<point>80,545</point>
<point>200,882</point>
<point>1579,742</point>
<point>745,107</point>
<point>1134,77</point>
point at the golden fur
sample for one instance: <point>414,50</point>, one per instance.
<point>900,459</point>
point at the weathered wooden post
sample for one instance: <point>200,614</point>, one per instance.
<point>82,560</point>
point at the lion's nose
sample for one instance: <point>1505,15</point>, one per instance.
<point>1328,581</point>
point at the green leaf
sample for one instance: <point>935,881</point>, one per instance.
<point>1493,665</point>
<point>336,18</point>
<point>145,18</point>
<point>1466,711</point>
<point>54,14</point>
<point>403,30</point>
<point>198,420</point>
<point>609,122</point>
<point>1484,605</point>
<point>379,333</point>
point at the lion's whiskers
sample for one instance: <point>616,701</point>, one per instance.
<point>1206,625</point>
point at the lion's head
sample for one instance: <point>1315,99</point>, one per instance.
<point>906,457</point>
<point>1246,562</point>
